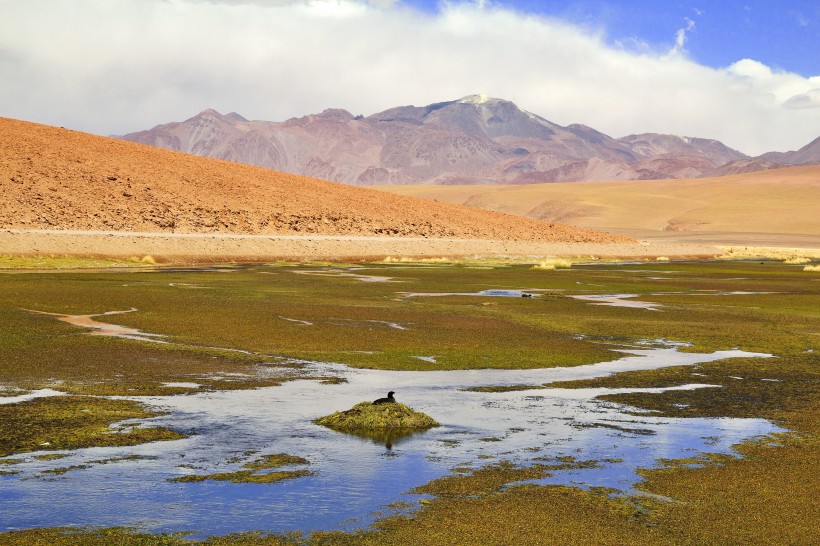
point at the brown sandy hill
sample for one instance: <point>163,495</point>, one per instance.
<point>781,202</point>
<point>53,178</point>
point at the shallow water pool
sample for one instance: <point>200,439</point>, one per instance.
<point>353,477</point>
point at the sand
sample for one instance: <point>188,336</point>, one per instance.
<point>221,247</point>
<point>778,207</point>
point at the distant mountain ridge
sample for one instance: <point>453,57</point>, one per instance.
<point>474,140</point>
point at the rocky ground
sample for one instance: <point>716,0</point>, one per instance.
<point>53,178</point>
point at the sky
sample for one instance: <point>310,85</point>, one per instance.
<point>746,73</point>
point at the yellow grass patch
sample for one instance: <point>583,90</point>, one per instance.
<point>408,260</point>
<point>788,255</point>
<point>552,264</point>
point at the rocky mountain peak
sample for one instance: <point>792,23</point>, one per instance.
<point>233,116</point>
<point>472,140</point>
<point>337,113</point>
<point>476,99</point>
<point>209,113</point>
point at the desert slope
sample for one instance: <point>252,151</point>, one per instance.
<point>53,178</point>
<point>778,203</point>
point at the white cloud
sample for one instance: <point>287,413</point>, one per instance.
<point>799,18</point>
<point>680,36</point>
<point>115,67</point>
<point>809,99</point>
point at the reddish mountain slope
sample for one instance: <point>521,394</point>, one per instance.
<point>475,140</point>
<point>52,178</point>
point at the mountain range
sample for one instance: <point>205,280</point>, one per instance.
<point>474,140</point>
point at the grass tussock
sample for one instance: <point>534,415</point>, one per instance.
<point>503,388</point>
<point>244,476</point>
<point>251,472</point>
<point>266,462</point>
<point>408,260</point>
<point>797,260</point>
<point>10,461</point>
<point>369,416</point>
<point>812,268</point>
<point>552,264</point>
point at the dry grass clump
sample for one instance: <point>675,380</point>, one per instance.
<point>812,268</point>
<point>552,264</point>
<point>797,260</point>
<point>146,260</point>
<point>772,253</point>
<point>662,259</point>
<point>408,260</point>
<point>369,416</point>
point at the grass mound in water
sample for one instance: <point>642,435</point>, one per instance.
<point>369,416</point>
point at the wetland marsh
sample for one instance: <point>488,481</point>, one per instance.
<point>541,392</point>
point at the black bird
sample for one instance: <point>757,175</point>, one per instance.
<point>388,400</point>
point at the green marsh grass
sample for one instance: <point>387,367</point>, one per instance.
<point>70,422</point>
<point>71,262</point>
<point>368,416</point>
<point>251,472</point>
<point>765,497</point>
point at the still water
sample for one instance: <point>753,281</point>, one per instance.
<point>354,477</point>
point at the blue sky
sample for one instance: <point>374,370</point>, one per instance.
<point>780,34</point>
<point>745,73</point>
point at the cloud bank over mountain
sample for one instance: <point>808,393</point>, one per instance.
<point>115,67</point>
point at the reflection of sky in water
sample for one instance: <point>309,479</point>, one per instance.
<point>353,477</point>
<point>618,300</point>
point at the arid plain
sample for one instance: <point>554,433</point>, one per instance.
<point>766,208</point>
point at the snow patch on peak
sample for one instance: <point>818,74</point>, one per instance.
<point>684,139</point>
<point>475,99</point>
